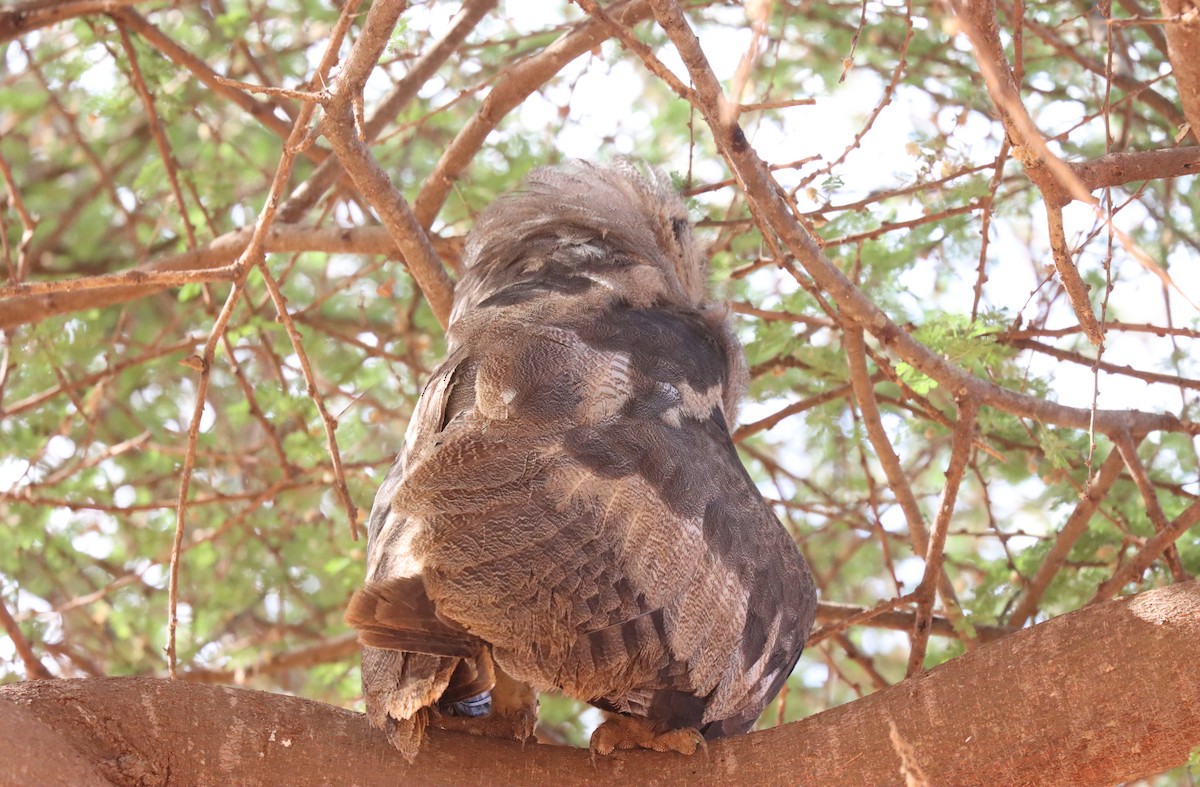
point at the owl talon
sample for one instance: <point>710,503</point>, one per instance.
<point>684,741</point>
<point>518,726</point>
<point>523,724</point>
<point>627,732</point>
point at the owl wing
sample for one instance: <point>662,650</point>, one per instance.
<point>412,658</point>
<point>587,515</point>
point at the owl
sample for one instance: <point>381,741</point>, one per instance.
<point>569,513</point>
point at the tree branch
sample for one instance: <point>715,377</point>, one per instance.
<point>1117,169</point>
<point>1143,91</point>
<point>19,306</point>
<point>832,613</point>
<point>306,194</point>
<point>34,668</point>
<point>36,14</point>
<point>1127,447</point>
<point>509,89</point>
<point>864,394</point>
<point>1076,525</point>
<point>935,553</point>
<point>1054,178</point>
<point>1163,540</point>
<point>262,111</point>
<point>1183,47</point>
<point>967,723</point>
<point>341,127</point>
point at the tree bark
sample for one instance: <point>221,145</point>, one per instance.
<point>1183,46</point>
<point>1104,694</point>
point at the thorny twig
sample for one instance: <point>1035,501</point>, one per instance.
<point>252,256</point>
<point>960,451</point>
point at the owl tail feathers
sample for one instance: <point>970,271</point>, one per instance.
<point>398,689</point>
<point>406,734</point>
<point>397,614</point>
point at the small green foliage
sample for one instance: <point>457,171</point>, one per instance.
<point>400,40</point>
<point>189,291</point>
<point>233,22</point>
<point>1193,762</point>
<point>914,379</point>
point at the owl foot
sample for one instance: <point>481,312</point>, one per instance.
<point>629,732</point>
<point>511,713</point>
<point>518,726</point>
<point>516,703</point>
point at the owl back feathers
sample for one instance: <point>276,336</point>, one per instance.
<point>569,498</point>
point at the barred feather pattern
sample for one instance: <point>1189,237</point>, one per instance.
<point>569,498</point>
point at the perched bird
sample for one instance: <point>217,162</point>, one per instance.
<point>569,512</point>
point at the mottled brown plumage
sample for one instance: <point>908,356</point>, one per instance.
<point>569,502</point>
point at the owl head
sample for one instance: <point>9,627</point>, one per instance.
<point>623,226</point>
<point>624,208</point>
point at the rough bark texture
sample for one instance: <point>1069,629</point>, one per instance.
<point>35,753</point>
<point>1101,695</point>
<point>1183,45</point>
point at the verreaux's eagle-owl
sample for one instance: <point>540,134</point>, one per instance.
<point>569,505</point>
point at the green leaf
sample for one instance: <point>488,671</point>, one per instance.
<point>915,379</point>
<point>189,291</point>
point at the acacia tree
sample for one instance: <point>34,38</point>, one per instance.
<point>961,242</point>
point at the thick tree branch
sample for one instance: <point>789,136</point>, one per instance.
<point>967,723</point>
<point>1183,46</point>
<point>36,754</point>
<point>35,14</point>
<point>1116,169</point>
